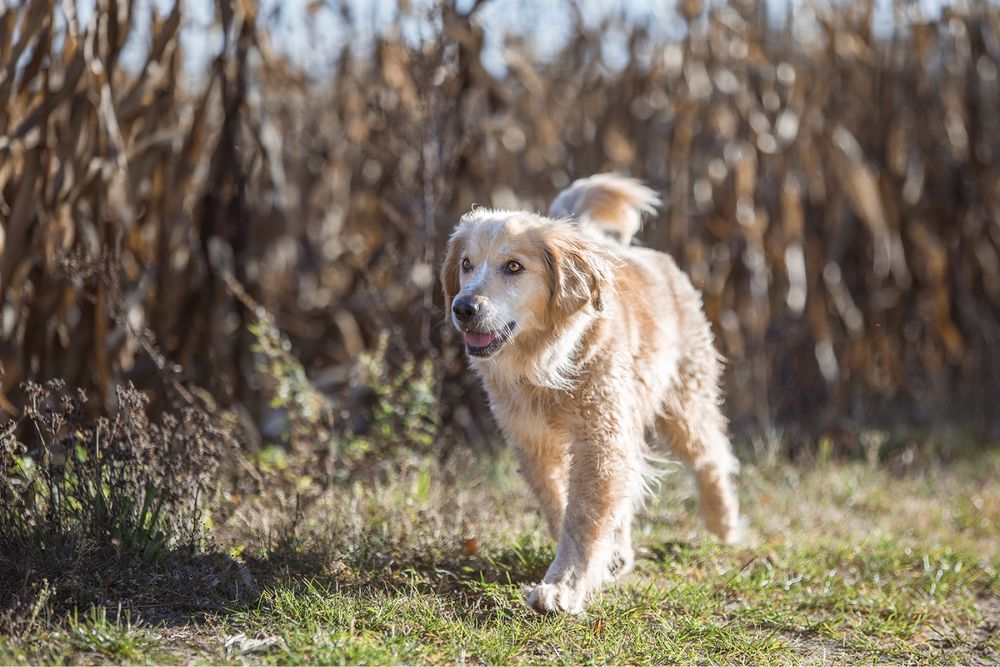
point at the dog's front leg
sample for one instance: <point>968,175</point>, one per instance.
<point>544,465</point>
<point>604,484</point>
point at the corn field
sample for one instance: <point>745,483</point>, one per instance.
<point>835,194</point>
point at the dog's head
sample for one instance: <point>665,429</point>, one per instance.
<point>506,274</point>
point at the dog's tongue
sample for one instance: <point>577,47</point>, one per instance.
<point>478,339</point>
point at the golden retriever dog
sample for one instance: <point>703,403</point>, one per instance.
<point>587,345</point>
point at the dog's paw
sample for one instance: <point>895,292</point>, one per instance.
<point>737,534</point>
<point>554,598</point>
<point>729,531</point>
<point>621,563</point>
<point>723,521</point>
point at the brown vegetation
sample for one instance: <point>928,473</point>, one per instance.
<point>835,195</point>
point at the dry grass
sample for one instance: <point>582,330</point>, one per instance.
<point>845,563</point>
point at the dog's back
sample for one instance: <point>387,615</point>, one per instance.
<point>609,204</point>
<point>606,204</point>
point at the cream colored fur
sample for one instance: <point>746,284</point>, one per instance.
<point>607,202</point>
<point>602,343</point>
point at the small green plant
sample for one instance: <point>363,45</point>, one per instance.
<point>118,639</point>
<point>400,411</point>
<point>404,413</point>
<point>309,413</point>
<point>82,499</point>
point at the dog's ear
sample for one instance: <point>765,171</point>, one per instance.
<point>579,269</point>
<point>450,268</point>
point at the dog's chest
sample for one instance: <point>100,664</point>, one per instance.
<point>525,413</point>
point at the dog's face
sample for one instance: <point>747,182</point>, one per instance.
<point>509,274</point>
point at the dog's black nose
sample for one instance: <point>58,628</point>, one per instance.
<point>465,308</point>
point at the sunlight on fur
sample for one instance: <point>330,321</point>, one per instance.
<point>585,343</point>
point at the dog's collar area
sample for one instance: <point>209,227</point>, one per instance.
<point>485,344</point>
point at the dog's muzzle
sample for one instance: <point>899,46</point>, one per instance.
<point>480,341</point>
<point>486,343</point>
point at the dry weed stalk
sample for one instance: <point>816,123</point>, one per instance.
<point>834,194</point>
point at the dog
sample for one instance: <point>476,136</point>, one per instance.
<point>586,344</point>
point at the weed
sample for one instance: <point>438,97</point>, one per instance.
<point>118,639</point>
<point>308,414</point>
<point>403,405</point>
<point>88,504</point>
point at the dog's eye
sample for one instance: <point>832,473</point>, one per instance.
<point>514,266</point>
<point>466,265</point>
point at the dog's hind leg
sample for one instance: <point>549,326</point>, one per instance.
<point>694,422</point>
<point>623,557</point>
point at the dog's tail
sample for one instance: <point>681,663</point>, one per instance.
<point>612,203</point>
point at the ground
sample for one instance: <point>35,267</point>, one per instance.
<point>845,562</point>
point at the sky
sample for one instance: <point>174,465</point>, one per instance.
<point>313,39</point>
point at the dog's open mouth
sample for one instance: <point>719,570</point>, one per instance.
<point>483,344</point>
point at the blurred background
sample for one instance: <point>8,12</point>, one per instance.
<point>245,203</point>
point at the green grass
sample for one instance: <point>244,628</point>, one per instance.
<point>844,563</point>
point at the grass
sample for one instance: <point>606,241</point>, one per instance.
<point>845,562</point>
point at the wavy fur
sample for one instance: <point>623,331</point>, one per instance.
<point>602,343</point>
